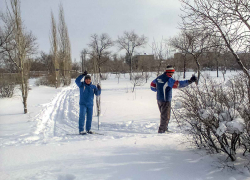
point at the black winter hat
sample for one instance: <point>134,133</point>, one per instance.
<point>87,77</point>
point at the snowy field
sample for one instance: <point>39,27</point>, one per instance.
<point>36,146</point>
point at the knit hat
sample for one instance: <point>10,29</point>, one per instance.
<point>170,69</point>
<point>87,77</point>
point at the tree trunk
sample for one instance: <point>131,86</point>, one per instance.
<point>100,74</point>
<point>24,90</point>
<point>82,64</point>
<point>198,68</point>
<point>25,105</point>
<point>133,88</point>
<point>159,67</point>
<point>184,68</point>
<point>130,68</point>
<point>217,67</point>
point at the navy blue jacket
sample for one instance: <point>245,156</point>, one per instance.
<point>163,85</point>
<point>87,92</point>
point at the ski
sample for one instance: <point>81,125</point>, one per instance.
<point>167,132</point>
<point>97,133</point>
<point>85,134</point>
<point>78,134</point>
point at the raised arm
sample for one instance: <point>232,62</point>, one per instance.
<point>78,80</point>
<point>180,84</point>
<point>177,84</point>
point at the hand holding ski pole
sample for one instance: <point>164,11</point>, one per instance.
<point>193,79</point>
<point>98,87</point>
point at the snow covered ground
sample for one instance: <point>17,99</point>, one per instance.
<point>36,146</point>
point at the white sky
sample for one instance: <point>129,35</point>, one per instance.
<point>153,18</point>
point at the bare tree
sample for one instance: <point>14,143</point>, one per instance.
<point>18,49</point>
<point>144,63</point>
<point>99,46</point>
<point>64,48</point>
<point>191,42</point>
<point>99,52</point>
<point>84,53</point>
<point>47,60</point>
<point>118,66</point>
<point>227,19</point>
<point>161,53</point>
<point>180,43</point>
<point>137,80</point>
<point>54,50</point>
<point>6,41</point>
<point>6,32</point>
<point>216,51</point>
<point>76,69</point>
<point>129,41</point>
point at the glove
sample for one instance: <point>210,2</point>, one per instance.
<point>98,87</point>
<point>193,79</point>
<point>85,73</point>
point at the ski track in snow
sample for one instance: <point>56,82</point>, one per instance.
<point>59,118</point>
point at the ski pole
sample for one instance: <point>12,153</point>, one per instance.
<point>98,122</point>
<point>98,108</point>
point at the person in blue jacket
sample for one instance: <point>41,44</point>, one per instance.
<point>87,91</point>
<point>163,85</point>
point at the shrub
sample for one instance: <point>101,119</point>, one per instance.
<point>137,80</point>
<point>6,89</point>
<point>74,74</point>
<point>104,76</point>
<point>218,115</point>
<point>7,85</point>
<point>48,80</point>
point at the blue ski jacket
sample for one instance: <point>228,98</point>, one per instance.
<point>163,85</point>
<point>87,92</point>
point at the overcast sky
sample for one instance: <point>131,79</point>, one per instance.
<point>153,18</point>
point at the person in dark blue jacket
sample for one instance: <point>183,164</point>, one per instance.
<point>163,85</point>
<point>87,91</point>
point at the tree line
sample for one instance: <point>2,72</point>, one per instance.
<point>214,36</point>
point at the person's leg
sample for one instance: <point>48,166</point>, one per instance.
<point>168,113</point>
<point>82,113</point>
<point>89,117</point>
<point>162,122</point>
<point>165,110</point>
